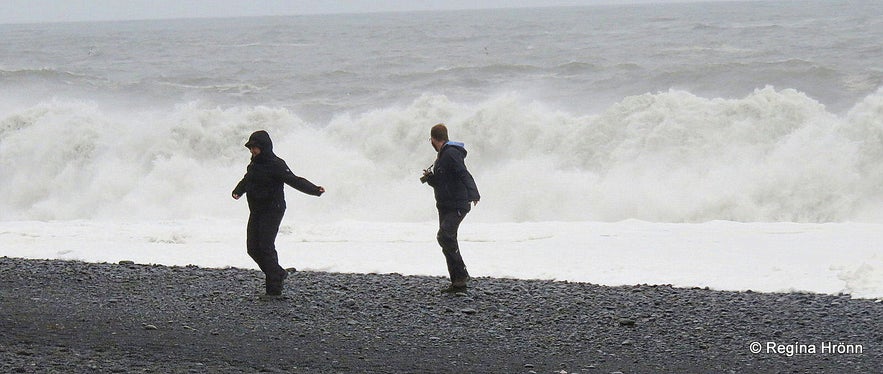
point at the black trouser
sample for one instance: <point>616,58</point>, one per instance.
<point>448,223</point>
<point>261,244</point>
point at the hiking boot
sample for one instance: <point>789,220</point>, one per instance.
<point>460,282</point>
<point>454,290</point>
<point>274,288</point>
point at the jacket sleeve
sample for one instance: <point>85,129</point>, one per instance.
<point>463,174</point>
<point>432,178</point>
<point>441,167</point>
<point>240,188</point>
<point>299,183</point>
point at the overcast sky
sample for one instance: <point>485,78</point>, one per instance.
<point>30,11</point>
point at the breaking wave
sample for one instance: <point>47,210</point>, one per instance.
<point>774,155</point>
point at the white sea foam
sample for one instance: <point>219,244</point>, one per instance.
<point>774,155</point>
<point>766,257</point>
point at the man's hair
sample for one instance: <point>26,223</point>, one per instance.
<point>439,132</point>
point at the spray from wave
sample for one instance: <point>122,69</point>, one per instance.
<point>774,155</point>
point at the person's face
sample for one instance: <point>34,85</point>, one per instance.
<point>254,151</point>
<point>436,144</point>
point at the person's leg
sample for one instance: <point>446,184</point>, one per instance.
<point>449,223</point>
<point>252,241</point>
<point>262,231</point>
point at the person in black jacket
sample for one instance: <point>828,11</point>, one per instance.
<point>263,185</point>
<point>454,190</point>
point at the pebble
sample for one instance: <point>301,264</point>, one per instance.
<point>402,323</point>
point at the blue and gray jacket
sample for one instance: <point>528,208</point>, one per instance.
<point>452,183</point>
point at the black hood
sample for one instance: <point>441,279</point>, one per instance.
<point>260,139</point>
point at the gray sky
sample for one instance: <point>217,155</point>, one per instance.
<point>31,11</point>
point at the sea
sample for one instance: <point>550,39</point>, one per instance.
<point>736,145</point>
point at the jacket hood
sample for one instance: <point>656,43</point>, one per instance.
<point>460,146</point>
<point>260,139</point>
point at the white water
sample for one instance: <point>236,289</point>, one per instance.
<point>767,257</point>
<point>667,157</point>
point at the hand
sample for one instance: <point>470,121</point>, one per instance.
<point>474,202</point>
<point>236,196</point>
<point>321,190</point>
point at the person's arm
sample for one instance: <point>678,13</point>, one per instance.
<point>471,188</point>
<point>465,176</point>
<point>431,177</point>
<point>240,188</point>
<point>301,184</point>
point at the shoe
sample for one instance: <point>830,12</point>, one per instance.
<point>274,288</point>
<point>461,283</point>
<point>454,289</point>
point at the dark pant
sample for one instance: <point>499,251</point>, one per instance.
<point>449,222</point>
<point>261,244</point>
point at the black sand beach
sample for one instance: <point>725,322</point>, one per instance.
<point>73,317</point>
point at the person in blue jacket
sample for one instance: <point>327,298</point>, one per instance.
<point>263,185</point>
<point>455,190</point>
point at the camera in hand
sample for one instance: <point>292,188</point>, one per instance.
<point>426,174</point>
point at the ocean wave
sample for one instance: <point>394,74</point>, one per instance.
<point>231,88</point>
<point>773,155</point>
<point>43,73</point>
<point>272,45</point>
<point>576,68</point>
<point>706,27</point>
<point>484,70</point>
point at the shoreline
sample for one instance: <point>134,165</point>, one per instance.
<point>62,316</point>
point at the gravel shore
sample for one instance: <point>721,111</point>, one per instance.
<point>73,317</point>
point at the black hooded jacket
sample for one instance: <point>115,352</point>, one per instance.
<point>265,178</point>
<point>452,183</point>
